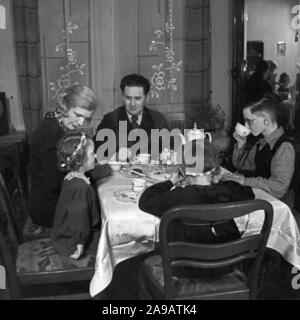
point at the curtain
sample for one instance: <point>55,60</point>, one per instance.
<point>197,61</point>
<point>27,40</point>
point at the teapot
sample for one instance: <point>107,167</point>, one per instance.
<point>195,134</point>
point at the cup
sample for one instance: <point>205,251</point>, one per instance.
<point>115,166</point>
<point>138,185</point>
<point>142,158</point>
<point>242,130</point>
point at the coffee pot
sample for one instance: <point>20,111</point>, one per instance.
<point>195,134</point>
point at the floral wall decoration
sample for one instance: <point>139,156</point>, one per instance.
<point>164,77</point>
<point>72,65</point>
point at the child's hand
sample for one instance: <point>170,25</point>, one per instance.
<point>177,176</point>
<point>241,141</point>
<point>233,177</point>
<point>78,253</point>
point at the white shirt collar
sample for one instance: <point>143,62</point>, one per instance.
<point>75,174</point>
<point>139,120</point>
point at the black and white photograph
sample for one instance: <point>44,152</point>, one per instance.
<point>149,151</point>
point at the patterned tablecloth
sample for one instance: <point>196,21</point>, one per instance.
<point>127,231</point>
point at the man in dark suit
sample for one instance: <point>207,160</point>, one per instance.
<point>133,115</point>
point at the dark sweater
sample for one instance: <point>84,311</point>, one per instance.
<point>77,218</point>
<point>46,179</point>
<point>158,198</point>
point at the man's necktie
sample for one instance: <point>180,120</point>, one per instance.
<point>134,122</point>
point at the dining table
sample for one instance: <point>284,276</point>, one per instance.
<point>128,232</point>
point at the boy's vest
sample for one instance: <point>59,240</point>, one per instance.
<point>263,159</point>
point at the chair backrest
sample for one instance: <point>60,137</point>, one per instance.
<point>7,215</point>
<point>17,197</point>
<point>200,255</point>
<point>8,243</point>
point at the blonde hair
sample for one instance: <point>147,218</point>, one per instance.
<point>77,96</point>
<point>71,151</point>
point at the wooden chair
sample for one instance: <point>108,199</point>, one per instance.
<point>159,277</point>
<point>35,267</point>
<point>26,229</point>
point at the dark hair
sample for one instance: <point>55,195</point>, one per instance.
<point>77,96</point>
<point>261,66</point>
<point>211,154</point>
<point>272,65</point>
<point>283,76</point>
<point>71,151</point>
<point>271,103</point>
<point>135,80</point>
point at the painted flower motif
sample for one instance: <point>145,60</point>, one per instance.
<point>170,55</point>
<point>73,66</point>
<point>66,83</point>
<point>72,56</point>
<point>158,80</point>
<point>159,34</point>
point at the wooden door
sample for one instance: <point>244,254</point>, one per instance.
<point>238,62</point>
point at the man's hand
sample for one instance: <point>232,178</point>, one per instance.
<point>78,253</point>
<point>241,141</point>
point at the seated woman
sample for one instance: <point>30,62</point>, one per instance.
<point>273,155</point>
<point>202,188</point>
<point>74,106</point>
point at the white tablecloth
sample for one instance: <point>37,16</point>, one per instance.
<point>127,231</point>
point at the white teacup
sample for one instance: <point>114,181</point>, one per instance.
<point>242,130</point>
<point>115,165</point>
<point>142,158</point>
<point>138,185</point>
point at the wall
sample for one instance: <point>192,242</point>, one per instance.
<point>120,45</point>
<point>8,70</point>
<point>112,46</point>
<point>52,19</point>
<point>120,50</point>
<point>221,13</point>
<point>121,40</point>
<point>270,21</point>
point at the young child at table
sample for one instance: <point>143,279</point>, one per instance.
<point>201,188</point>
<point>76,227</point>
<point>273,155</point>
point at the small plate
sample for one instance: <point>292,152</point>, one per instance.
<point>127,195</point>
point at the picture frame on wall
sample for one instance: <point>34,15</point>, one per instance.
<point>281,49</point>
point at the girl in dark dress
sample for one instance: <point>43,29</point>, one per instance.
<point>201,187</point>
<point>74,106</point>
<point>76,227</point>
